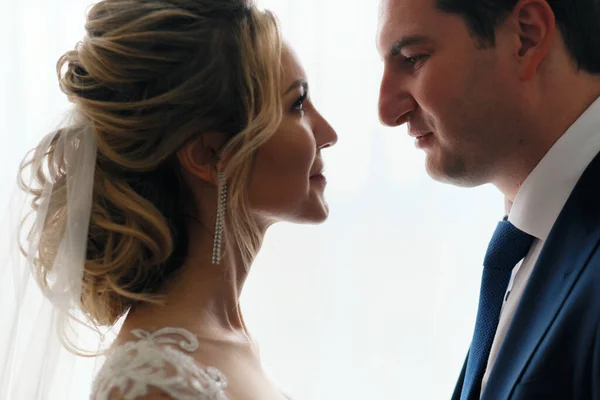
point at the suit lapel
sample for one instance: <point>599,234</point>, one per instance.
<point>566,252</point>
<point>461,380</point>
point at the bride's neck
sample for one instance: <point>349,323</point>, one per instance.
<point>201,296</point>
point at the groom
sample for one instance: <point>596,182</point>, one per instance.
<point>507,92</point>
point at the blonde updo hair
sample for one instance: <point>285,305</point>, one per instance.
<point>149,76</point>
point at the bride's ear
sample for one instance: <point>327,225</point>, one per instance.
<point>199,156</point>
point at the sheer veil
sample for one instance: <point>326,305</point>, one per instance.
<point>47,224</point>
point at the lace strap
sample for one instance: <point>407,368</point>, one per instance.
<point>160,361</point>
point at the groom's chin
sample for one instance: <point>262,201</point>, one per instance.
<point>452,173</point>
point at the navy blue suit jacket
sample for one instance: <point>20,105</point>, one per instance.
<point>552,348</point>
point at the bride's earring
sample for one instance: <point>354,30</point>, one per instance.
<point>221,208</point>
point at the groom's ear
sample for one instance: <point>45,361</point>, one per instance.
<point>536,25</point>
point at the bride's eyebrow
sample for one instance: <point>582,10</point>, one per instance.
<point>300,82</point>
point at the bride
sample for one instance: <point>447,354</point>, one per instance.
<point>192,133</point>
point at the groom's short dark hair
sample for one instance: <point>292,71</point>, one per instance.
<point>578,21</point>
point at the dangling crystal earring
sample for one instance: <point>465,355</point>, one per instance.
<point>221,207</point>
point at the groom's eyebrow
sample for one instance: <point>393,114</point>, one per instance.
<point>406,42</point>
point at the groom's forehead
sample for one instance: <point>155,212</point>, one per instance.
<point>400,20</point>
<point>405,10</point>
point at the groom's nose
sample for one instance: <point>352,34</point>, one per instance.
<point>395,101</point>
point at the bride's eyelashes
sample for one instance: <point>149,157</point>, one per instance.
<point>298,105</point>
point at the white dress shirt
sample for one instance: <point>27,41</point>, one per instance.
<point>539,202</point>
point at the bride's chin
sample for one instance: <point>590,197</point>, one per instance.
<point>313,210</point>
<point>319,214</point>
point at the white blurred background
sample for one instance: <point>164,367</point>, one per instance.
<point>377,303</point>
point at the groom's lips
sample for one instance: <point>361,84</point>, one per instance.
<point>422,138</point>
<point>420,134</point>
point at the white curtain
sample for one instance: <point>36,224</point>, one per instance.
<point>377,303</point>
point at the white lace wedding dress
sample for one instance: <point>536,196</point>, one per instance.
<point>160,361</point>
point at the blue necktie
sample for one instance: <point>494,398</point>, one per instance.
<point>508,246</point>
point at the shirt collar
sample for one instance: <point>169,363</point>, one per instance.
<point>544,193</point>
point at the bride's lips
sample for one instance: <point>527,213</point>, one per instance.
<point>316,174</point>
<point>318,178</point>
